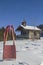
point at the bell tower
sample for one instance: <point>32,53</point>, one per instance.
<point>24,23</point>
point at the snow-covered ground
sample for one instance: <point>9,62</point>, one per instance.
<point>28,52</point>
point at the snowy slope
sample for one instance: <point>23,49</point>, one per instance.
<point>28,52</point>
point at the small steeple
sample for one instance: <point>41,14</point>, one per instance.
<point>24,23</point>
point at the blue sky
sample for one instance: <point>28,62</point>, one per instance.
<point>13,12</point>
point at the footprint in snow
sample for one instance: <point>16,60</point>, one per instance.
<point>23,63</point>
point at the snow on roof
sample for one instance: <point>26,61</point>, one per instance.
<point>31,27</point>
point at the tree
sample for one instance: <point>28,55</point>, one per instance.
<point>40,26</point>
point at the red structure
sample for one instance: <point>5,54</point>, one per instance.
<point>9,51</point>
